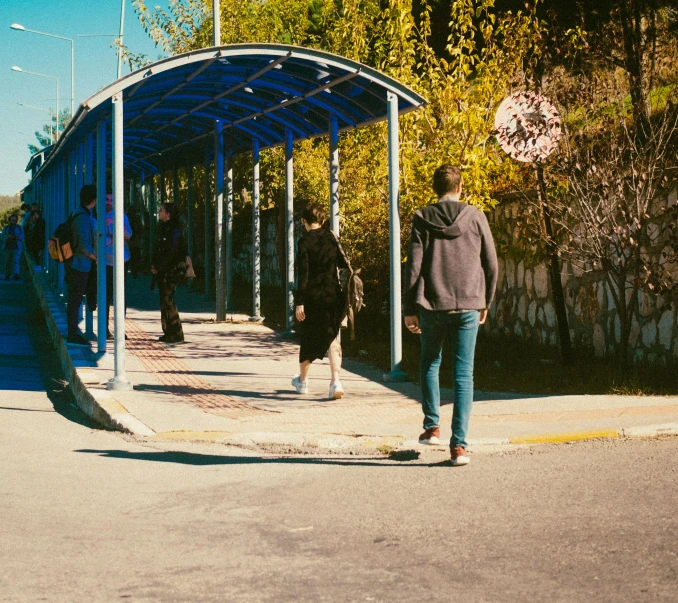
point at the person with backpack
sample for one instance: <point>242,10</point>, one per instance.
<point>320,304</point>
<point>450,280</point>
<point>79,275</point>
<point>13,236</point>
<point>169,269</point>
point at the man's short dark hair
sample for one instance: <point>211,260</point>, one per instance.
<point>88,194</point>
<point>313,213</point>
<point>446,179</point>
<point>171,209</point>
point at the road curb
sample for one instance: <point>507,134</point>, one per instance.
<point>100,407</point>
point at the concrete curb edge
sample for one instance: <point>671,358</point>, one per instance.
<point>106,411</point>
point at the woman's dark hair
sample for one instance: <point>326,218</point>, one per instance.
<point>171,209</point>
<point>313,213</point>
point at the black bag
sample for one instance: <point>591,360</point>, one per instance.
<point>60,245</point>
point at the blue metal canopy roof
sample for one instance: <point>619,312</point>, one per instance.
<point>258,91</point>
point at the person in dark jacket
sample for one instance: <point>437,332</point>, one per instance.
<point>13,237</point>
<point>169,267</point>
<point>450,280</point>
<point>319,301</point>
<point>80,274</point>
<point>35,237</point>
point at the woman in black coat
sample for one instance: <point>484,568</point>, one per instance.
<point>169,264</point>
<point>318,299</point>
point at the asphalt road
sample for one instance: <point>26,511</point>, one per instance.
<point>92,516</point>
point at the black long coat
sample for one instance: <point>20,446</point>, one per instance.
<point>319,291</point>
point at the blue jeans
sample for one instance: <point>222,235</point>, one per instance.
<point>462,329</point>
<point>12,258</point>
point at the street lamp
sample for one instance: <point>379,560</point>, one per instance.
<point>19,27</point>
<point>51,77</point>
<point>51,129</point>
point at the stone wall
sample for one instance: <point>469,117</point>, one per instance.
<point>523,306</point>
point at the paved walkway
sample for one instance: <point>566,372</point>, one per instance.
<point>230,382</point>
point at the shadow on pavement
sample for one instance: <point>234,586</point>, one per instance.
<point>190,458</point>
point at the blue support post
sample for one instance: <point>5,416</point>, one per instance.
<point>219,218</point>
<point>208,228</point>
<point>229,231</point>
<point>102,327</point>
<point>256,236</point>
<point>289,231</point>
<point>334,175</point>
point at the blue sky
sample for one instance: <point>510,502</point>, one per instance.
<point>95,66</point>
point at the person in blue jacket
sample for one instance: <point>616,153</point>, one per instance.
<point>13,237</point>
<point>79,267</point>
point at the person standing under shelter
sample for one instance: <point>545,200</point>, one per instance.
<point>78,268</point>
<point>450,280</point>
<point>127,235</point>
<point>169,268</point>
<point>35,237</point>
<point>13,237</point>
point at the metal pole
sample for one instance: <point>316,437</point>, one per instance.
<point>256,237</point>
<point>122,31</point>
<point>189,208</point>
<point>102,327</point>
<point>175,186</point>
<point>216,20</point>
<point>229,231</point>
<point>334,175</point>
<point>219,218</point>
<point>396,373</point>
<point>208,229</point>
<point>289,230</point>
<point>72,78</point>
<point>163,190</point>
<point>57,107</point>
<point>119,381</point>
<point>152,215</point>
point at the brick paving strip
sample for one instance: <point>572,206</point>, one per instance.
<point>178,378</point>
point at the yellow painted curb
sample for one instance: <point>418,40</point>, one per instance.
<point>209,436</point>
<point>565,437</point>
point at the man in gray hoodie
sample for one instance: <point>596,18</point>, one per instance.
<point>450,279</point>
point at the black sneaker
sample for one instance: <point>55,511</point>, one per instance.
<point>78,339</point>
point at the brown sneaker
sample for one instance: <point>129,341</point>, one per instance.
<point>459,456</point>
<point>430,436</point>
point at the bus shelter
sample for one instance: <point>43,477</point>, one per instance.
<point>210,105</point>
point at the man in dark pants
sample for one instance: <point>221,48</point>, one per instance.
<point>80,265</point>
<point>450,280</point>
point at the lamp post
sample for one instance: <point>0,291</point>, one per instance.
<point>51,129</point>
<point>51,77</point>
<point>19,27</point>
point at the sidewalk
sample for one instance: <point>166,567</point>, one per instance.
<point>229,383</point>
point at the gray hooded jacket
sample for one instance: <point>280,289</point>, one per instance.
<point>452,262</point>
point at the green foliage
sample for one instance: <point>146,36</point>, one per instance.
<point>5,213</point>
<point>48,134</point>
<point>487,53</point>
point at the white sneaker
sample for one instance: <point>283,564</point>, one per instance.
<point>336,391</point>
<point>301,386</point>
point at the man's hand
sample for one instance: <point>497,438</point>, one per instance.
<point>412,323</point>
<point>483,316</point>
<point>153,270</point>
<point>300,314</point>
